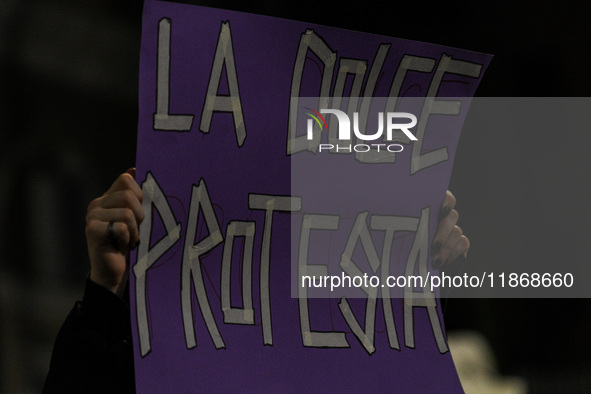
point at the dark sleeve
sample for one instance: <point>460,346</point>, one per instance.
<point>93,351</point>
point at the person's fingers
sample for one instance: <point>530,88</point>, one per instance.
<point>461,249</point>
<point>448,246</point>
<point>444,229</point>
<point>112,228</point>
<point>123,235</point>
<point>456,244</point>
<point>126,181</point>
<point>447,219</point>
<point>449,243</point>
<point>449,200</point>
<point>125,226</point>
<point>118,197</point>
<point>448,204</point>
<point>124,199</point>
<point>122,207</point>
<point>125,230</point>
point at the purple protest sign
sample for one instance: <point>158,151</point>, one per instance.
<point>232,188</point>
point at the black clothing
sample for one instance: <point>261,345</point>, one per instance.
<point>93,352</point>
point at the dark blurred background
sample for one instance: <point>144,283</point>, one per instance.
<point>68,114</point>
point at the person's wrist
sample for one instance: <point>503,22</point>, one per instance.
<point>101,280</point>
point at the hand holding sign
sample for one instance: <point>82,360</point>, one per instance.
<point>112,224</point>
<point>449,242</point>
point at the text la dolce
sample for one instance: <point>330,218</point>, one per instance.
<point>310,41</point>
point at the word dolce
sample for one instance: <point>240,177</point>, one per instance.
<point>335,67</point>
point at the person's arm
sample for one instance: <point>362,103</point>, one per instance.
<point>93,350</point>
